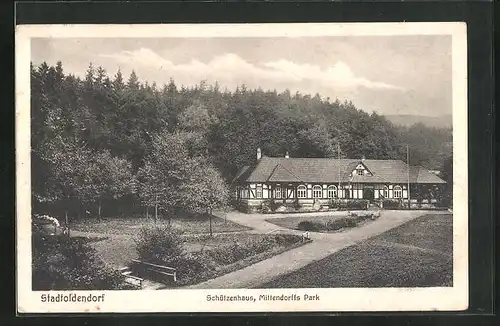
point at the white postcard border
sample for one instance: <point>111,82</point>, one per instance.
<point>178,300</point>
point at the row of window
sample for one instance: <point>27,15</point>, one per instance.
<point>317,192</point>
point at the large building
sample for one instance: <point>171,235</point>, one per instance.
<point>310,181</point>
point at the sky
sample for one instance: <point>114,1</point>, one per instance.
<point>386,74</point>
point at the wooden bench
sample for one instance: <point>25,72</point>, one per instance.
<point>156,269</point>
<point>131,279</point>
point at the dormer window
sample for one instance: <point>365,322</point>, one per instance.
<point>361,170</point>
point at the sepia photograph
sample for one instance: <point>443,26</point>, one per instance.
<point>253,167</point>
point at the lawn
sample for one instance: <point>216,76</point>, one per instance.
<point>319,222</point>
<point>416,254</point>
<point>116,244</point>
<point>130,226</point>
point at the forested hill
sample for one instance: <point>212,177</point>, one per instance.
<point>443,121</point>
<point>114,120</point>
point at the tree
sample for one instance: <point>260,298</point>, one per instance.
<point>447,175</point>
<point>177,181</point>
<point>70,167</point>
<point>209,191</point>
<point>109,178</point>
<point>316,142</point>
<point>118,83</point>
<point>166,168</point>
<point>133,81</point>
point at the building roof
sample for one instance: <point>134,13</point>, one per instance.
<point>331,170</point>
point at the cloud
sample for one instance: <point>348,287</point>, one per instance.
<point>339,75</point>
<point>231,69</point>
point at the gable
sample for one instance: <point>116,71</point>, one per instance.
<point>361,169</point>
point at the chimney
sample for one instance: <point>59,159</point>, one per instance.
<point>287,155</point>
<point>259,153</point>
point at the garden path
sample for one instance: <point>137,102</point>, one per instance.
<point>323,245</point>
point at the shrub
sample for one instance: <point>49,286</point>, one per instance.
<point>334,203</point>
<point>344,204</point>
<point>357,204</point>
<point>296,205</point>
<point>269,205</point>
<point>333,224</point>
<point>63,263</point>
<point>341,223</point>
<point>159,244</point>
<point>308,226</point>
<point>445,202</point>
<point>392,204</point>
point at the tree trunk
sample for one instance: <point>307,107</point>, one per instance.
<point>99,210</point>
<point>147,211</point>
<point>67,222</point>
<point>210,219</point>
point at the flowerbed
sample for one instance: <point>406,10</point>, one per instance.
<point>325,223</point>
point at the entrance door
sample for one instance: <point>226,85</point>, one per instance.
<point>368,193</point>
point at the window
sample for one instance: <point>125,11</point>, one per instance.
<point>398,192</point>
<point>317,192</point>
<point>301,192</point>
<point>258,192</point>
<point>332,191</point>
<point>385,192</point>
<point>359,171</point>
<point>277,192</point>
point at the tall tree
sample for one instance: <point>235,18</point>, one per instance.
<point>171,175</point>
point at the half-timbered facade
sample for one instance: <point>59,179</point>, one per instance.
<point>319,180</point>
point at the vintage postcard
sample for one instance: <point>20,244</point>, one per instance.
<point>242,167</point>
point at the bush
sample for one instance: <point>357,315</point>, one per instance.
<point>358,204</point>
<point>308,226</point>
<point>333,224</point>
<point>392,204</point>
<point>345,204</point>
<point>445,202</point>
<point>159,244</point>
<point>296,205</point>
<point>63,263</point>
<point>269,205</point>
<point>341,223</point>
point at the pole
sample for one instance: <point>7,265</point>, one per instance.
<point>408,164</point>
<point>338,152</point>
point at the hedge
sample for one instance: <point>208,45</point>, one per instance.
<point>353,204</point>
<point>334,224</point>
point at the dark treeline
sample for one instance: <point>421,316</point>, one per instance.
<point>102,138</point>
